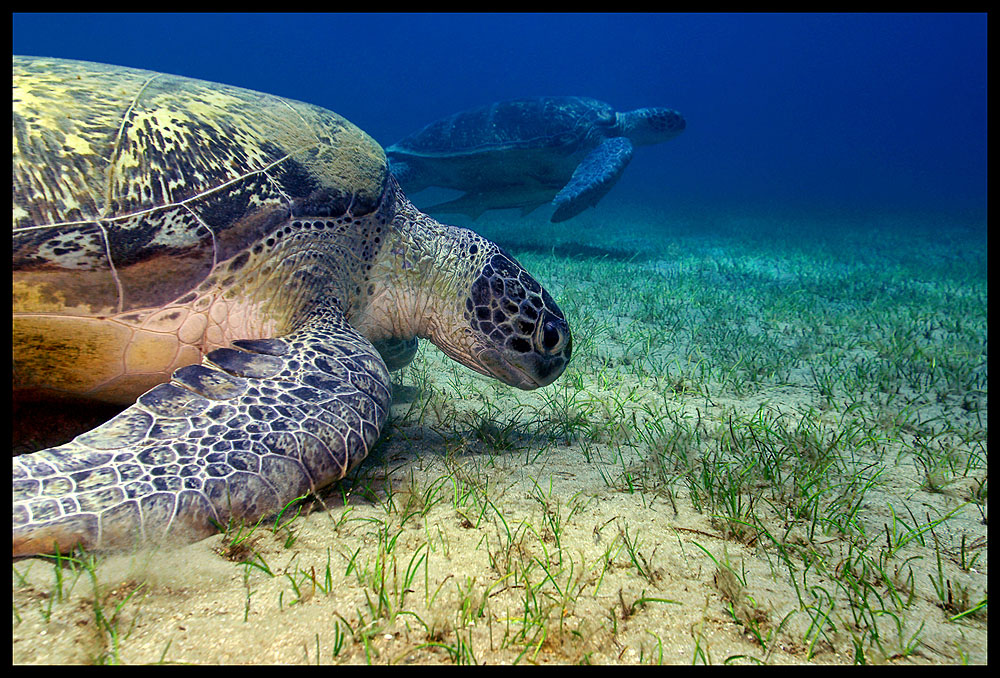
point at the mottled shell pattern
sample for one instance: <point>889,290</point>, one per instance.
<point>131,189</point>
<point>122,174</point>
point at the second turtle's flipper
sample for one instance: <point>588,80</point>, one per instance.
<point>593,178</point>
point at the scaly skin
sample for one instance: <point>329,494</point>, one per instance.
<point>238,436</point>
<point>254,426</point>
<point>223,260</point>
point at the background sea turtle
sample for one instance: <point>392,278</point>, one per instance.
<point>242,251</point>
<point>526,152</point>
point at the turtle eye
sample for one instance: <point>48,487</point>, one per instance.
<point>551,336</point>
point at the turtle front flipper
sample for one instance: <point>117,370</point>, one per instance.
<point>593,178</point>
<point>237,437</point>
<point>397,353</point>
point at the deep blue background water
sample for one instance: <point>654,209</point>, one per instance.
<point>818,111</point>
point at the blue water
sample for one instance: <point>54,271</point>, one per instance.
<point>823,111</point>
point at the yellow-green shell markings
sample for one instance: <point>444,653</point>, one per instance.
<point>221,260</point>
<point>132,190</point>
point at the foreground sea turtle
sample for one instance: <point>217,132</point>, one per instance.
<point>224,260</point>
<point>527,152</point>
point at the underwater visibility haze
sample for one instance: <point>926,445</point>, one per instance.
<point>818,109</point>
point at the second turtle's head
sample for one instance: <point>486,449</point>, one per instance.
<point>651,125</point>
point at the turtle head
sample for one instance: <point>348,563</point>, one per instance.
<point>465,295</point>
<point>518,334</point>
<point>650,125</point>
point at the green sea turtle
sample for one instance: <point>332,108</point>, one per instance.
<point>227,262</point>
<point>527,152</point>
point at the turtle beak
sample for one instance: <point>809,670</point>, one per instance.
<point>524,371</point>
<point>552,345</point>
<point>553,348</point>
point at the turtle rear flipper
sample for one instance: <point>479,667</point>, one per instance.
<point>470,204</point>
<point>405,175</point>
<point>237,437</point>
<point>593,178</point>
<point>473,204</point>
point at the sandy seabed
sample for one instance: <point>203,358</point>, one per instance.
<point>770,447</point>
